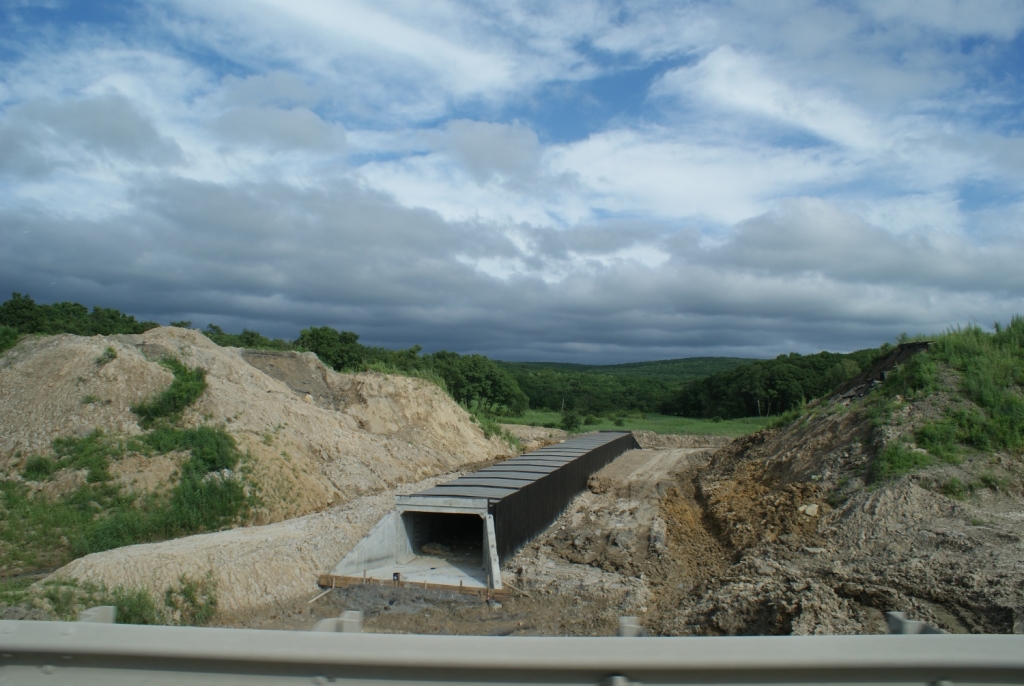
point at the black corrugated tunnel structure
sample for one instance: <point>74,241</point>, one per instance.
<point>522,496</point>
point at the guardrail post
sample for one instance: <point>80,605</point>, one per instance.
<point>629,627</point>
<point>350,622</point>
<point>899,624</point>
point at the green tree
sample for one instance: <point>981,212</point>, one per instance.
<point>337,349</point>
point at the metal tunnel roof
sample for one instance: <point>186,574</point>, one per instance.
<point>501,480</point>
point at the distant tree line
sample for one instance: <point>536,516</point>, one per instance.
<point>588,393</point>
<point>25,316</point>
<point>743,389</point>
<point>767,387</point>
<point>673,372</point>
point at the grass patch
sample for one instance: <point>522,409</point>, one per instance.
<point>988,412</point>
<point>39,468</point>
<point>16,591</point>
<point>38,533</point>
<point>991,366</point>
<point>492,427</point>
<point>186,388</point>
<point>955,488</point>
<point>109,355</point>
<point>92,453</point>
<point>785,419</point>
<point>191,602</point>
<point>658,423</point>
<point>898,459</point>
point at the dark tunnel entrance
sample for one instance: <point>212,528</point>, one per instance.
<point>455,537</point>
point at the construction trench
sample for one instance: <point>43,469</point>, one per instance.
<point>456,535</point>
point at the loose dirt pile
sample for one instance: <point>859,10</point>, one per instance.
<point>812,550</point>
<point>257,570</point>
<point>535,437</point>
<point>315,438</point>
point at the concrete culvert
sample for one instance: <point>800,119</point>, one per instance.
<point>457,534</point>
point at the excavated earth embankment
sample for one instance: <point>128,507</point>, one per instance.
<point>783,532</point>
<point>314,439</point>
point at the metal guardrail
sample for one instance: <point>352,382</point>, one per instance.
<point>97,653</point>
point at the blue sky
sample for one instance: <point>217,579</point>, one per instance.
<point>586,181</point>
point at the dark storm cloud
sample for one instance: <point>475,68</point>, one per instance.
<point>278,258</point>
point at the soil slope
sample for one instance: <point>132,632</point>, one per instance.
<point>345,436</point>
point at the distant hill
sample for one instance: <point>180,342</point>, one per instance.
<point>670,371</point>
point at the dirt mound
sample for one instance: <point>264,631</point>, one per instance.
<point>535,437</point>
<point>781,533</point>
<point>254,569</point>
<point>811,549</point>
<point>314,437</point>
<point>650,440</point>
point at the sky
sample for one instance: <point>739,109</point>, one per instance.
<point>585,181</point>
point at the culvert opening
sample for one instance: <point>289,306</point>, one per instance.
<point>456,537</point>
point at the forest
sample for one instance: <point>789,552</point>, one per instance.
<point>767,387</point>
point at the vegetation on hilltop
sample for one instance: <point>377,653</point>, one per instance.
<point>26,317</point>
<point>768,387</point>
<point>974,380</point>
<point>670,371</point>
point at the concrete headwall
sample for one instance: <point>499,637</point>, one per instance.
<point>386,544</point>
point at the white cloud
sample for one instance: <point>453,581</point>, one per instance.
<point>1002,19</point>
<point>727,79</point>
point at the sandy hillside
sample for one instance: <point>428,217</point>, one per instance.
<point>255,569</point>
<point>316,438</point>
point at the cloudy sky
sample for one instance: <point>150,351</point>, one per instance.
<point>582,181</point>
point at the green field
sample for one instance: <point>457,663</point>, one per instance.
<point>659,423</point>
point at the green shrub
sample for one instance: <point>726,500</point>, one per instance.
<point>92,452</point>
<point>186,388</point>
<point>8,338</point>
<point>955,488</point>
<point>571,421</point>
<point>39,468</point>
<point>109,355</point>
<point>136,606</point>
<point>939,439</point>
<point>918,376</point>
<point>193,602</point>
<point>897,459</point>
